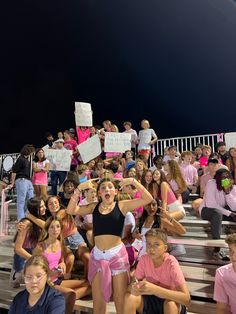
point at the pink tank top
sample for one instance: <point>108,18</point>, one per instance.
<point>170,197</point>
<point>53,259</point>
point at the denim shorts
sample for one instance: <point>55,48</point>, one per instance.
<point>74,241</point>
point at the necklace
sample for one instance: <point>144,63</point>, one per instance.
<point>107,207</point>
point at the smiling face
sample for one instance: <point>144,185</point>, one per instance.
<point>53,205</point>
<point>156,175</point>
<point>132,173</point>
<point>35,280</point>
<point>148,177</point>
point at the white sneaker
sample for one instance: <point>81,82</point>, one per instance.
<point>221,255</point>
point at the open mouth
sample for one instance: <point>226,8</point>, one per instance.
<point>107,196</point>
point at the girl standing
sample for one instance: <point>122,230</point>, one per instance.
<point>40,174</point>
<point>109,265</point>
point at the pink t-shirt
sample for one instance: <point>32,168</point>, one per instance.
<point>203,161</point>
<point>169,275</point>
<point>189,173</point>
<point>225,286</point>
<point>82,135</point>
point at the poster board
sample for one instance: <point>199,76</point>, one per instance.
<point>83,114</point>
<point>230,140</point>
<point>90,149</point>
<point>60,159</point>
<point>117,142</point>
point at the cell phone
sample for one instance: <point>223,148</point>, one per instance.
<point>225,183</point>
<point>58,269</point>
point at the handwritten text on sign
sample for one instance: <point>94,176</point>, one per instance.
<point>60,159</point>
<point>117,142</point>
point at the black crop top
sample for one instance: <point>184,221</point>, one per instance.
<point>111,223</point>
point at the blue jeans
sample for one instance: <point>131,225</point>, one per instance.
<point>24,191</point>
<point>57,177</point>
<point>19,261</point>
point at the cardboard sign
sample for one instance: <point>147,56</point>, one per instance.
<point>230,139</point>
<point>117,142</point>
<point>90,149</point>
<point>60,159</point>
<point>83,114</point>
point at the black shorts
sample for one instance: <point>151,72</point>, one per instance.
<point>155,305</point>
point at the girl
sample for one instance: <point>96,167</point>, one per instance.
<point>38,297</point>
<point>51,246</point>
<point>40,174</point>
<point>176,180</point>
<point>26,240</point>
<point>154,217</point>
<point>231,162</point>
<point>147,181</point>
<point>109,265</point>
<point>68,189</point>
<point>167,196</point>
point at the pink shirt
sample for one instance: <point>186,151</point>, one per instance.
<point>203,182</point>
<point>213,198</point>
<point>169,275</point>
<point>189,173</point>
<point>203,161</point>
<point>82,135</point>
<point>139,210</point>
<point>225,286</point>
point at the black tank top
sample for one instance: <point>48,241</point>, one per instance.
<point>111,223</point>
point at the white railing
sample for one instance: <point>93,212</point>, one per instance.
<point>188,142</point>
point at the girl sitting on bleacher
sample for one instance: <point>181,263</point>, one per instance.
<point>26,240</point>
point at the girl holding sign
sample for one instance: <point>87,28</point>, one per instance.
<point>109,264</point>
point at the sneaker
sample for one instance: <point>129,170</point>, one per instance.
<point>16,278</point>
<point>220,256</point>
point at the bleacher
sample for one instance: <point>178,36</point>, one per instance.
<point>197,264</point>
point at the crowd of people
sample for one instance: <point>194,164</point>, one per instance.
<point>115,214</point>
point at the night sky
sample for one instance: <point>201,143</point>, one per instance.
<point>171,61</point>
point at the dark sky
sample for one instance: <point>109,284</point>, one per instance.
<point>172,62</point>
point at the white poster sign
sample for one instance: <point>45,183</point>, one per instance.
<point>90,149</point>
<point>60,159</point>
<point>230,139</point>
<point>117,142</point>
<point>83,114</point>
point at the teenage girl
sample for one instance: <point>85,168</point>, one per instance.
<point>109,265</point>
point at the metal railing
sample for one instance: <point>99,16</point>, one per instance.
<point>188,142</point>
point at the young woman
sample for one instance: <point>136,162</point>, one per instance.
<point>154,217</point>
<point>26,240</point>
<point>147,181</point>
<point>109,265</point>
<point>231,162</point>
<point>38,297</point>
<point>40,174</point>
<point>176,180</point>
<point>51,246</point>
<point>167,196</point>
